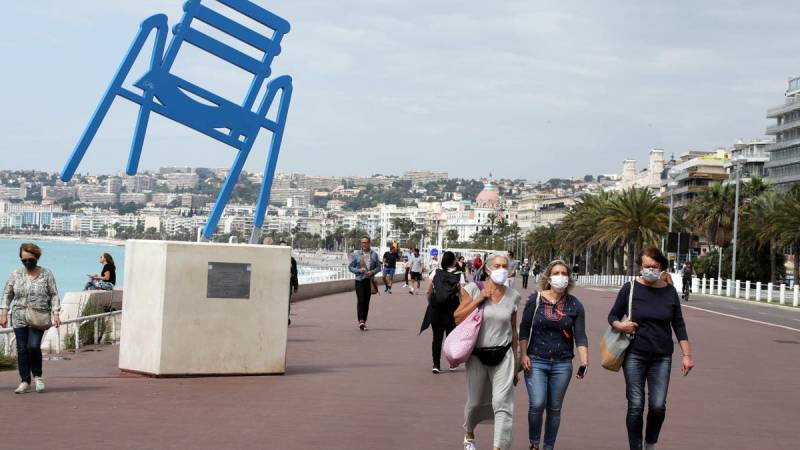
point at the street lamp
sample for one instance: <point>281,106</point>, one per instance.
<point>671,185</point>
<point>737,163</point>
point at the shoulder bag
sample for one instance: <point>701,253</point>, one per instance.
<point>614,344</point>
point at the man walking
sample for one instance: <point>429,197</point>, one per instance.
<point>389,266</point>
<point>293,284</point>
<point>513,266</point>
<point>364,264</point>
<point>415,262</point>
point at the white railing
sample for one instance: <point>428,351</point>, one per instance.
<point>746,290</point>
<point>311,274</point>
<point>8,333</point>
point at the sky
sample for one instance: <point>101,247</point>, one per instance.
<point>521,89</point>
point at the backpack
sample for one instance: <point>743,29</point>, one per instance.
<point>446,286</point>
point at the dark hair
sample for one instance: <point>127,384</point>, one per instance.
<point>655,254</point>
<point>30,247</point>
<point>511,253</point>
<point>109,259</point>
<point>365,236</point>
<point>460,257</point>
<point>448,259</point>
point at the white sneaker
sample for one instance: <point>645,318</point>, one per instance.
<point>23,388</point>
<point>405,285</point>
<point>38,382</point>
<point>435,370</point>
<point>469,445</point>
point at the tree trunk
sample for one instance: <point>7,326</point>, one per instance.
<point>719,266</point>
<point>796,271</point>
<point>621,259</point>
<point>630,257</point>
<point>772,262</point>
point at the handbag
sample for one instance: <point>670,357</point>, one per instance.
<point>614,344</point>
<point>460,343</point>
<point>39,319</point>
<point>373,286</point>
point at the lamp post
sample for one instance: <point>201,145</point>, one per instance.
<point>737,162</point>
<point>671,184</point>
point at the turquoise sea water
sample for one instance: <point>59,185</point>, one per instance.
<point>70,262</point>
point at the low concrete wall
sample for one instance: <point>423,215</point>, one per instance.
<point>313,290</point>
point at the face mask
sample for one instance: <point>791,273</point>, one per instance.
<point>651,275</point>
<point>29,264</point>
<point>499,276</point>
<point>559,282</point>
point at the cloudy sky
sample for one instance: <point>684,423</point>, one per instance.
<point>528,89</point>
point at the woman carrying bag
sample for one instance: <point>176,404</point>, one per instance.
<point>553,325</point>
<point>491,369</point>
<point>655,309</point>
<point>32,288</point>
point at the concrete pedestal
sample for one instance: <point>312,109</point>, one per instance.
<point>170,325</point>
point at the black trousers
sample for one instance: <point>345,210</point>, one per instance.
<point>363,294</point>
<point>525,282</point>
<point>439,332</point>
<point>29,352</point>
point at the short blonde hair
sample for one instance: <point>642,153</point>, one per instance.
<point>544,280</point>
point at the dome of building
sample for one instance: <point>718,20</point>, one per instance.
<point>488,197</point>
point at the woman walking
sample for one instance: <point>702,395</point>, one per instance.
<point>444,299</point>
<point>656,314</point>
<point>525,270</point>
<point>491,370</point>
<point>33,291</point>
<point>553,325</point>
<point>107,278</point>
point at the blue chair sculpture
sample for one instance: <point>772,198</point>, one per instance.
<point>236,125</point>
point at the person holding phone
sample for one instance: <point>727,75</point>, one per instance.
<point>553,325</point>
<point>656,313</point>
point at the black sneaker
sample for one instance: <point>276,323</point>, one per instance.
<point>362,326</point>
<point>435,370</point>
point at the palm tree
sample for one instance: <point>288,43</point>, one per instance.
<point>541,242</point>
<point>788,221</point>
<point>635,216</point>
<point>451,236</point>
<point>711,213</point>
<point>761,226</point>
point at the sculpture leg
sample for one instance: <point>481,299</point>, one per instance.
<point>138,136</point>
<point>225,193</point>
<point>282,83</point>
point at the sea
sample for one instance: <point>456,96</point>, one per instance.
<point>70,261</point>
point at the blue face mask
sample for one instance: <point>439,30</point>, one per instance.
<point>651,275</point>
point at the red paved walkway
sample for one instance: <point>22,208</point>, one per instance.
<point>348,390</point>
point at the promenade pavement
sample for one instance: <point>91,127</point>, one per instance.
<point>345,389</point>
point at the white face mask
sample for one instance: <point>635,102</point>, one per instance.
<point>651,275</point>
<point>559,282</point>
<point>499,276</point>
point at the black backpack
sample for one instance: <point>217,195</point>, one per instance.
<point>446,286</point>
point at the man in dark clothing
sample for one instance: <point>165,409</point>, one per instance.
<point>293,284</point>
<point>389,264</point>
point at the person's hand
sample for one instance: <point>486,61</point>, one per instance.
<point>687,365</point>
<point>294,289</point>
<point>4,319</point>
<point>486,293</point>
<point>363,270</point>
<point>526,363</point>
<point>56,320</point>
<point>627,327</point>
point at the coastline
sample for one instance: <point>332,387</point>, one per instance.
<point>77,240</point>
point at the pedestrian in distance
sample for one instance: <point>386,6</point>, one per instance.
<point>491,369</point>
<point>406,260</point>
<point>33,291</point>
<point>364,264</point>
<point>389,266</point>
<point>686,280</point>
<point>656,313</point>
<point>477,265</point>
<point>444,297</point>
<point>537,269</point>
<point>553,326</point>
<point>461,266</point>
<point>107,278</point>
<point>416,264</point>
<point>525,271</point>
<point>293,283</point>
<point>513,268</point>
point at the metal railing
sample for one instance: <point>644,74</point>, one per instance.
<point>745,290</point>
<point>8,333</point>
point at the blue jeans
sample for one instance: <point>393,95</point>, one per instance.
<point>29,352</point>
<point>547,383</point>
<point>654,370</point>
